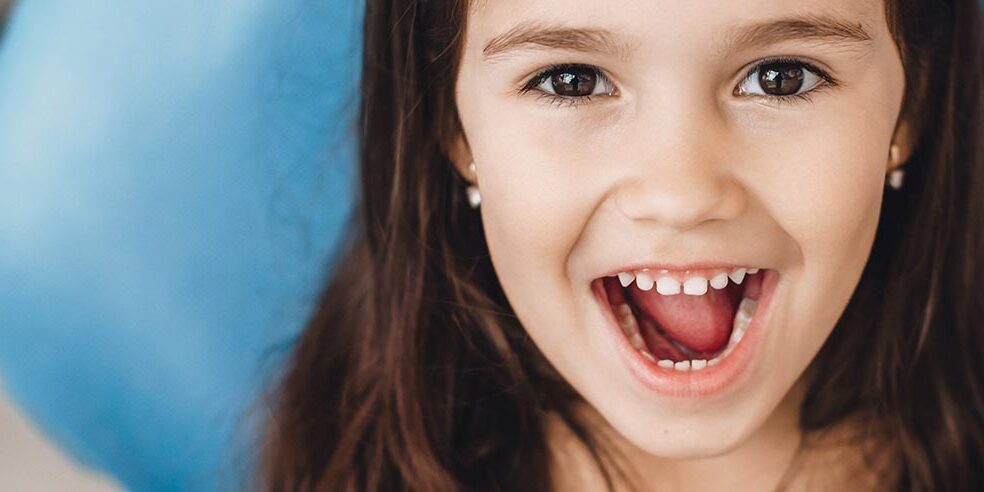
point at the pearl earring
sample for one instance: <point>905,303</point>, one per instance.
<point>897,176</point>
<point>474,196</point>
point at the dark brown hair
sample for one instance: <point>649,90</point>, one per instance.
<point>414,374</point>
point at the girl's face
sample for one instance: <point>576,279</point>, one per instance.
<point>638,158</point>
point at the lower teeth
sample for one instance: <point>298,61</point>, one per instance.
<point>743,317</point>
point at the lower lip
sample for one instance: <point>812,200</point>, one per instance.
<point>707,382</point>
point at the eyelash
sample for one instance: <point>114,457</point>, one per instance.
<point>561,101</point>
<point>827,80</point>
<point>532,85</point>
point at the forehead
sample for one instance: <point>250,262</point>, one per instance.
<point>667,26</point>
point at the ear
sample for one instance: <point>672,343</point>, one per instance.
<point>904,138</point>
<point>909,125</point>
<point>459,152</point>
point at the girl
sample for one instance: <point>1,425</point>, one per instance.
<point>653,245</point>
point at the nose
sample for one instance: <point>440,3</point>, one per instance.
<point>682,187</point>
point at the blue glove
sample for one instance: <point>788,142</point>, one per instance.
<point>174,175</point>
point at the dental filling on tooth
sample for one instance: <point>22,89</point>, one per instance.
<point>684,318</point>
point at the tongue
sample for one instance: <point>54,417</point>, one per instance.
<point>702,323</point>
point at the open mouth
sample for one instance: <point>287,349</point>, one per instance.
<point>686,321</point>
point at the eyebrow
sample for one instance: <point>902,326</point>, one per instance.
<point>824,29</point>
<point>535,35</point>
<point>531,35</point>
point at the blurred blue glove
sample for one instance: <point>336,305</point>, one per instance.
<point>173,176</point>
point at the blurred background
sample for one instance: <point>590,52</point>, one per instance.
<point>174,178</point>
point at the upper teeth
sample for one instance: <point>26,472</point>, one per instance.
<point>694,285</point>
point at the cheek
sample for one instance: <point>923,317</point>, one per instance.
<point>830,210</point>
<point>830,204</point>
<point>533,216</point>
<point>533,211</point>
<point>829,200</point>
<point>827,192</point>
<point>539,191</point>
<point>826,196</point>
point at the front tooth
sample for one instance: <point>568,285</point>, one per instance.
<point>753,271</point>
<point>698,365</point>
<point>644,281</point>
<point>695,286</point>
<point>713,362</point>
<point>625,278</point>
<point>738,276</point>
<point>683,365</point>
<point>666,363</point>
<point>720,281</point>
<point>667,286</point>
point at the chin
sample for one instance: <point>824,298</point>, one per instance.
<point>686,438</point>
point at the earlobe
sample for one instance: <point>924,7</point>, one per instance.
<point>902,144</point>
<point>896,174</point>
<point>459,153</point>
<point>461,158</point>
<point>898,153</point>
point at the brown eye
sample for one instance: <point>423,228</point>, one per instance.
<point>572,81</point>
<point>780,78</point>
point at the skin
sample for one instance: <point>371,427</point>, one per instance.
<point>674,167</point>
